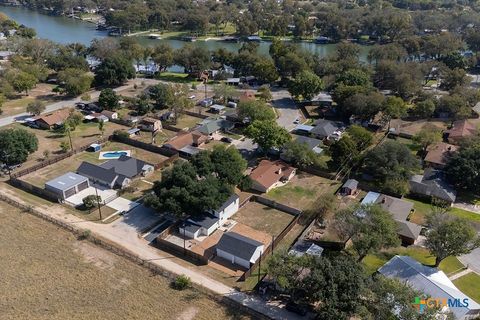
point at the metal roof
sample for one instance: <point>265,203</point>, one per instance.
<point>66,181</point>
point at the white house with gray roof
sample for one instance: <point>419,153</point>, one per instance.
<point>239,249</point>
<point>67,185</point>
<point>432,282</point>
<point>433,184</point>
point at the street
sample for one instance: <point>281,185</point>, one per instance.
<point>288,112</point>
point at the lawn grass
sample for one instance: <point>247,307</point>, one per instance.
<point>470,285</point>
<point>186,121</point>
<point>422,209</point>
<point>60,277</point>
<point>177,78</point>
<point>374,261</point>
<point>302,191</point>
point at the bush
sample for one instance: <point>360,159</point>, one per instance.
<point>86,97</point>
<point>182,282</point>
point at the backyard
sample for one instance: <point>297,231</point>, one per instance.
<point>43,175</point>
<point>60,277</point>
<point>263,218</point>
<point>41,92</point>
<point>302,191</point>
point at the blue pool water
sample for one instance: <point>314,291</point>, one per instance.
<point>115,154</point>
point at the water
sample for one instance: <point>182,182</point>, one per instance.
<point>68,30</point>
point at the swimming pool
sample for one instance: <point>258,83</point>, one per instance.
<point>113,154</point>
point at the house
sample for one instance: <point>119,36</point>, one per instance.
<point>53,119</point>
<point>438,154</point>
<point>303,129</point>
<point>349,188</point>
<point>326,129</point>
<point>67,185</point>
<point>434,283</point>
<point>432,184</point>
<point>111,115</point>
<point>213,126</point>
<point>227,209</point>
<point>133,132</point>
<point>322,100</point>
<point>150,124</point>
<point>97,117</point>
<point>186,139</point>
<point>461,129</point>
<point>400,209</point>
<point>239,249</point>
<point>115,173</point>
<point>233,81</point>
<point>208,223</point>
<point>311,143</point>
<point>271,174</point>
<point>196,227</point>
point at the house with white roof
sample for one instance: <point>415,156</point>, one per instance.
<point>434,283</point>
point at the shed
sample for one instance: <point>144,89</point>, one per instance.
<point>132,132</point>
<point>349,187</point>
<point>94,147</point>
<point>216,108</point>
<point>302,128</point>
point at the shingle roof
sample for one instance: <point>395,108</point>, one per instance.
<point>461,128</point>
<point>440,152</point>
<point>183,139</point>
<point>205,221</point>
<point>324,127</point>
<point>432,183</point>
<point>400,209</point>
<point>311,142</point>
<point>269,172</point>
<point>238,245</point>
<point>66,181</point>
<point>429,280</point>
<point>408,229</point>
<point>92,170</point>
<point>351,184</point>
<point>125,165</point>
<point>58,116</point>
<point>234,197</point>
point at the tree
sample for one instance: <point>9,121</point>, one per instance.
<point>193,59</point>
<point>75,81</point>
<point>428,135</point>
<point>394,108</point>
<point>267,134</point>
<point>101,127</point>
<point>163,95</point>
<point>255,110</point>
<point>364,105</point>
<point>463,168</point>
<point>264,93</point>
<point>36,107</point>
<point>163,56</point>
<point>264,70</point>
<point>390,165</point>
<point>450,236</point>
<point>299,154</point>
<point>370,227</point>
<point>65,146</point>
<point>180,192</point>
<point>108,99</point>
<point>23,82</point>
<point>305,86</point>
<point>424,109</point>
<point>16,145</point>
<point>91,201</point>
<point>224,92</point>
<point>343,152</point>
<point>114,71</point>
<point>360,136</point>
<point>452,78</point>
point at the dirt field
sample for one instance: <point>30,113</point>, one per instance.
<point>263,218</point>
<point>42,92</point>
<point>48,274</point>
<point>43,175</point>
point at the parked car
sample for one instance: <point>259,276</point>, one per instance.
<point>226,139</point>
<point>296,308</point>
<point>297,121</point>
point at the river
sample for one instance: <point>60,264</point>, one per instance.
<point>66,30</point>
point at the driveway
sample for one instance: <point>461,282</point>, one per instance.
<point>472,260</point>
<point>77,198</point>
<point>122,204</point>
<point>139,219</point>
<point>282,101</point>
<point>247,147</point>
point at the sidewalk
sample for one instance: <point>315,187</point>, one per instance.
<point>127,236</point>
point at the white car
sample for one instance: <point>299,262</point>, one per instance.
<point>191,97</point>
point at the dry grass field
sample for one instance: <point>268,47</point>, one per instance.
<point>48,274</point>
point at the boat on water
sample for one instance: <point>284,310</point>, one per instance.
<point>154,36</point>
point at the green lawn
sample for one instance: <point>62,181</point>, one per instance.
<point>470,285</point>
<point>374,261</point>
<point>177,77</point>
<point>423,208</point>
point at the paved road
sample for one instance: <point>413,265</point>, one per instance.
<point>472,260</point>
<point>282,101</point>
<point>70,103</point>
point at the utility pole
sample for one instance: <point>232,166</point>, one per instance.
<point>98,203</point>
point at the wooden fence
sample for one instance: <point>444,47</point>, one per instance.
<point>149,147</point>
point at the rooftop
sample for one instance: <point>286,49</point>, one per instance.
<point>440,152</point>
<point>66,181</point>
<point>269,172</point>
<point>238,245</point>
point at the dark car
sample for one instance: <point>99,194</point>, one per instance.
<point>296,308</point>
<point>226,139</point>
